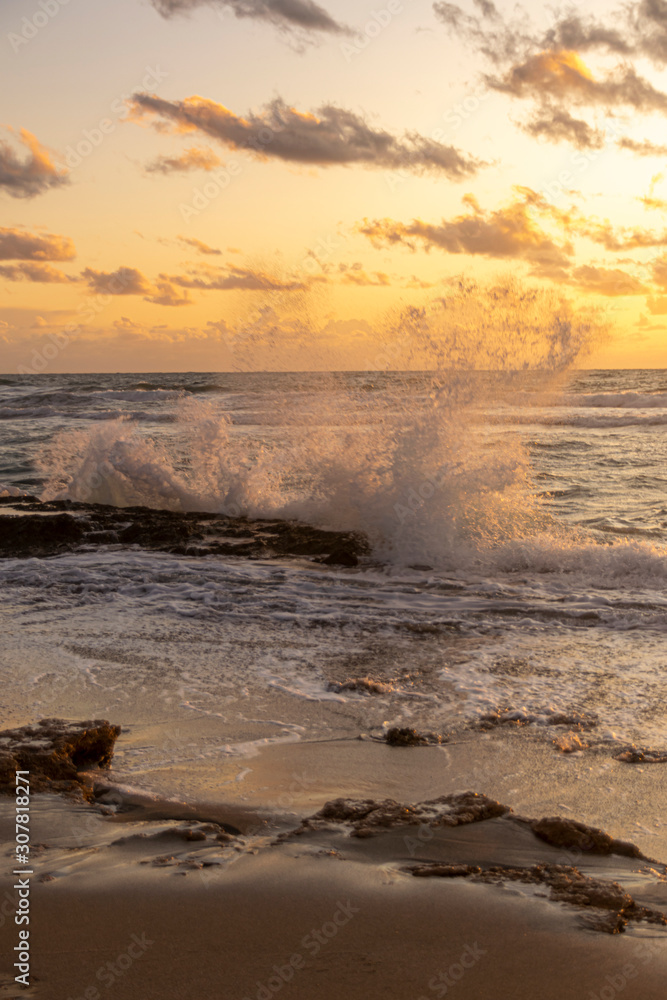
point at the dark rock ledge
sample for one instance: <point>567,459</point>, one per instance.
<point>30,527</point>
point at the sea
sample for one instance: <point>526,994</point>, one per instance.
<point>517,525</point>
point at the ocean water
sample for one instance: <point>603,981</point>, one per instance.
<point>518,524</point>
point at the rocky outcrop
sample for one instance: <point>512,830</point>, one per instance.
<point>55,753</point>
<point>29,527</point>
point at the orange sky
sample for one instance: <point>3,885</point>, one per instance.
<point>190,185</point>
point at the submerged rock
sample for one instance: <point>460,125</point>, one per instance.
<point>364,685</point>
<point>55,752</point>
<point>576,721</point>
<point>639,755</point>
<point>411,738</point>
<point>29,527</point>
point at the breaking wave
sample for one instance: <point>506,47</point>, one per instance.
<point>413,466</point>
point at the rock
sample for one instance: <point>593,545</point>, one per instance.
<point>364,685</point>
<point>411,738</point>
<point>640,755</point>
<point>569,833</point>
<point>36,535</point>
<point>445,871</point>
<point>55,526</point>
<point>54,752</point>
<point>566,884</point>
<point>569,743</point>
<point>368,817</point>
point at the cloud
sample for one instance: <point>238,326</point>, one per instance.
<point>304,15</point>
<point>331,136</point>
<point>192,159</point>
<point>563,75</point>
<point>620,239</point>
<point>198,245</point>
<point>509,232</point>
<point>659,271</point>
<point>607,281</point>
<point>19,244</point>
<point>499,41</point>
<point>165,294</point>
<point>124,281</point>
<point>29,271</point>
<point>558,125</point>
<point>129,281</point>
<point>657,305</point>
<point>645,148</point>
<point>640,29</point>
<point>29,177</point>
<point>546,66</point>
<point>354,274</point>
<point>234,279</point>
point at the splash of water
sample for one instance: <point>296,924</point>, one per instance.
<point>415,464</point>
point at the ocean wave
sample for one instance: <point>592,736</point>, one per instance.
<point>11,491</point>
<point>193,388</point>
<point>598,400</point>
<point>140,395</point>
<point>586,420</point>
<point>619,400</point>
<point>49,412</point>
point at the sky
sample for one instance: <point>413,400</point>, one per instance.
<point>204,185</point>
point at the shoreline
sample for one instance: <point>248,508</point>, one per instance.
<point>227,911</point>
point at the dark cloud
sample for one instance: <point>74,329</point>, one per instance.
<point>191,159</point>
<point>545,66</point>
<point>129,281</point>
<point>331,136</point>
<point>562,75</point>
<point>31,176</point>
<point>29,271</point>
<point>489,32</point>
<point>639,29</point>
<point>558,125</point>
<point>19,244</point>
<point>284,14</point>
<point>124,281</point>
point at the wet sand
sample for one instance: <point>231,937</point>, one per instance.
<point>136,897</point>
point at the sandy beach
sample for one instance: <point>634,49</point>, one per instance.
<point>136,896</point>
